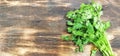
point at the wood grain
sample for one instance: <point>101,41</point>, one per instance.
<point>34,27</point>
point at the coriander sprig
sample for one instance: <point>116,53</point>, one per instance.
<point>84,26</point>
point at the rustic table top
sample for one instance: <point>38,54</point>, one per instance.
<point>34,27</point>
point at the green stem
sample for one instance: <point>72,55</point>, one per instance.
<point>107,51</point>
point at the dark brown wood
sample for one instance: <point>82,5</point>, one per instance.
<point>34,27</point>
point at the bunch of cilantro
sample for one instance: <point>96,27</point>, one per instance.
<point>85,27</point>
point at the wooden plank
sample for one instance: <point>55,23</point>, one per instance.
<point>34,27</point>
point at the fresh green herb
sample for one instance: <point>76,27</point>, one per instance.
<point>93,52</point>
<point>84,26</point>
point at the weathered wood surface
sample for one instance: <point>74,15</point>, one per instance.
<point>34,27</point>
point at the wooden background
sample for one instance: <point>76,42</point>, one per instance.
<point>34,27</point>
